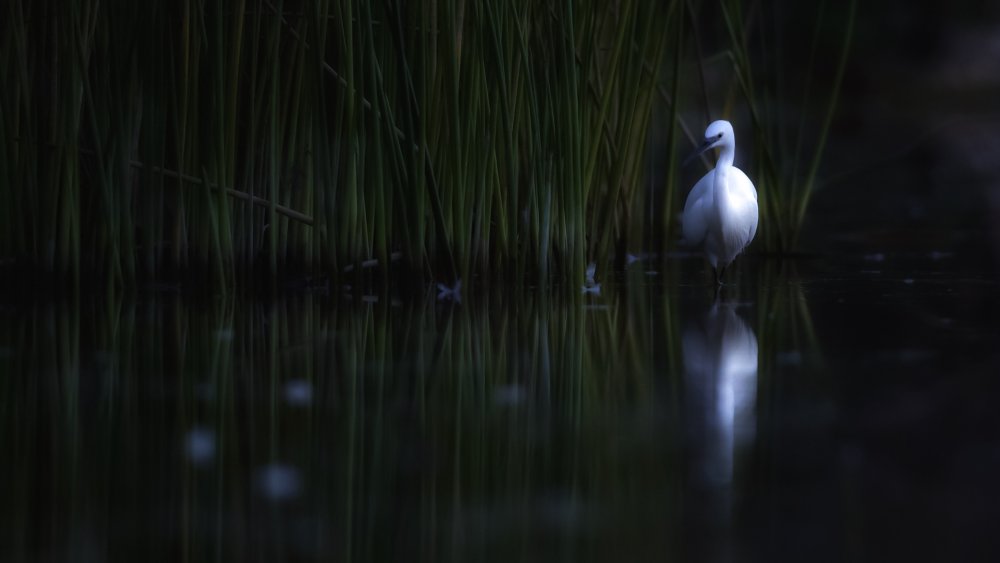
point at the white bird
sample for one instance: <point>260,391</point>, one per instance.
<point>720,214</point>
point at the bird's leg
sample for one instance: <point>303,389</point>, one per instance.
<point>721,272</point>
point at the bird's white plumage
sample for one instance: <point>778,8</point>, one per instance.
<point>720,215</point>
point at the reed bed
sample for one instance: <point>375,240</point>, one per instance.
<point>445,140</point>
<point>790,103</point>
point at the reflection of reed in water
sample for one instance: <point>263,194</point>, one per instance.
<point>720,365</point>
<point>470,431</point>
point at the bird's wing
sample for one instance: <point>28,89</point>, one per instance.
<point>750,194</point>
<point>697,210</point>
<point>745,181</point>
<point>753,231</point>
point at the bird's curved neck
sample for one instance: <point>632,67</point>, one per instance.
<point>726,156</point>
<point>722,169</point>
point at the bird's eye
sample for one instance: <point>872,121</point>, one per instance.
<point>719,135</point>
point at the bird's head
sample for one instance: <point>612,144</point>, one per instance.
<point>718,133</point>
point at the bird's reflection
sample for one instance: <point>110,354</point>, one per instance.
<point>720,365</point>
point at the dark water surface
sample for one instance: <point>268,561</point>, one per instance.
<point>817,411</point>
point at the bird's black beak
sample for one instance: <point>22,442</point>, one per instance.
<point>704,147</point>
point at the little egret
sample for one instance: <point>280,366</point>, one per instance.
<point>720,214</point>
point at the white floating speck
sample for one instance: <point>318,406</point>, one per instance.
<point>298,392</point>
<point>589,285</point>
<point>278,482</point>
<point>450,293</point>
<point>199,445</point>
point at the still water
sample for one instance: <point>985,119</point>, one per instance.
<point>813,411</point>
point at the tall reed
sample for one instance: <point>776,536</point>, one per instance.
<point>464,140</point>
<point>463,137</point>
<point>788,165</point>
